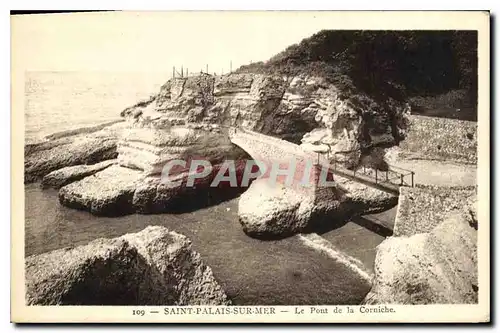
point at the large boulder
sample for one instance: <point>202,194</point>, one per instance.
<point>154,195</point>
<point>148,147</point>
<point>64,176</point>
<point>267,211</point>
<point>86,150</point>
<point>152,267</point>
<point>274,210</point>
<point>108,192</point>
<point>430,265</point>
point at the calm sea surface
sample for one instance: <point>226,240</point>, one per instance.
<point>251,271</point>
<point>57,101</point>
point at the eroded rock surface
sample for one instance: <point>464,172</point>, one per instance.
<point>152,267</point>
<point>64,176</point>
<point>69,150</point>
<point>364,199</point>
<point>268,210</point>
<point>190,119</point>
<point>303,109</point>
<point>108,192</point>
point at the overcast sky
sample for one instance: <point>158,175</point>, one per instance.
<point>155,41</point>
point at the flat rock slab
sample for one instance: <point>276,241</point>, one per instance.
<point>108,192</point>
<point>59,178</point>
<point>43,158</point>
<point>152,267</point>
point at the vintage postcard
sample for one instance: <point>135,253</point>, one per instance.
<point>238,167</point>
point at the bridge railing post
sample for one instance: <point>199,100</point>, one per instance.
<point>376,177</point>
<point>402,179</point>
<point>412,173</point>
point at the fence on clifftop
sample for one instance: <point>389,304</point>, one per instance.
<point>184,71</point>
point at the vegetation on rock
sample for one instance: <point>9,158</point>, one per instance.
<point>376,68</point>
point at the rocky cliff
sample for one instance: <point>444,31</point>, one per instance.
<point>299,109</point>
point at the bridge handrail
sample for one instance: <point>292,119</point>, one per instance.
<point>402,169</point>
<point>400,172</point>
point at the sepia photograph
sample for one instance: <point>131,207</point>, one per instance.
<point>237,165</point>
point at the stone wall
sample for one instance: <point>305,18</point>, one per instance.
<point>432,257</point>
<point>422,208</point>
<point>441,139</point>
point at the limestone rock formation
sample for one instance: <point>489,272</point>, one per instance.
<point>137,183</point>
<point>154,195</point>
<point>150,148</point>
<point>300,109</point>
<point>269,210</point>
<point>69,150</point>
<point>190,119</point>
<point>108,192</point>
<point>64,176</point>
<point>152,267</point>
<point>429,265</point>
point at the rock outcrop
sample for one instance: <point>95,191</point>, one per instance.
<point>300,109</point>
<point>151,267</point>
<point>269,210</point>
<point>363,199</point>
<point>108,192</point>
<point>138,182</point>
<point>59,178</point>
<point>433,261</point>
<point>154,195</point>
<point>63,151</point>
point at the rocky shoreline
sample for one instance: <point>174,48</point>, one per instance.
<point>117,170</point>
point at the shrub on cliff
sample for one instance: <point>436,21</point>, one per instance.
<point>383,64</point>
